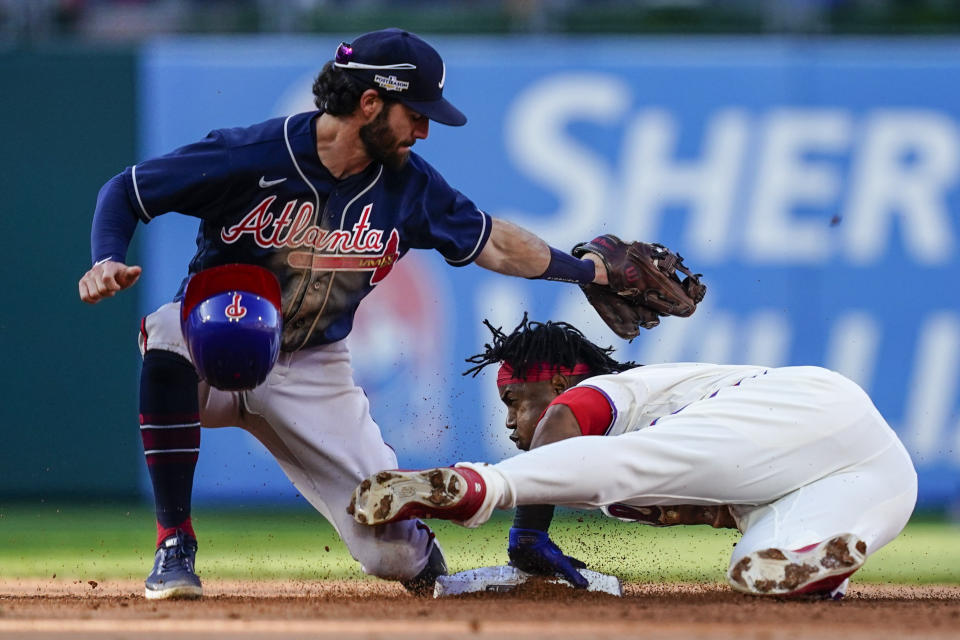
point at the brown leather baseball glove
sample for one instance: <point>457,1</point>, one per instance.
<point>643,284</point>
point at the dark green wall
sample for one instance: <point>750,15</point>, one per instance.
<point>68,415</point>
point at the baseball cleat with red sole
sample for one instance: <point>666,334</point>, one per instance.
<point>815,570</point>
<point>445,493</point>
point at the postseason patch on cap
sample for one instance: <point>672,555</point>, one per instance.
<point>391,83</point>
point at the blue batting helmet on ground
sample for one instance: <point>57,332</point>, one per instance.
<point>231,321</point>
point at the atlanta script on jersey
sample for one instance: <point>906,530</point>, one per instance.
<point>264,198</point>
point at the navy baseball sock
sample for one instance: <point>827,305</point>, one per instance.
<point>533,516</point>
<point>170,430</point>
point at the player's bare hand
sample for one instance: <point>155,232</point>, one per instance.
<point>104,280</point>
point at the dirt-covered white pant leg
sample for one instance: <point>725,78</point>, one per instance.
<point>316,422</point>
<point>872,500</point>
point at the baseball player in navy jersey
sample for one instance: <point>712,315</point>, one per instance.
<point>328,201</point>
<point>797,458</point>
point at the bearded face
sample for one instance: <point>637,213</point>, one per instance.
<point>381,141</point>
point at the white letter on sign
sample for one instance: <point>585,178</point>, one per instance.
<point>652,179</point>
<point>785,180</point>
<point>906,165</point>
<point>539,145</point>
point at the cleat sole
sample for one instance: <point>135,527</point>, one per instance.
<point>815,570</point>
<point>390,496</point>
<point>186,592</point>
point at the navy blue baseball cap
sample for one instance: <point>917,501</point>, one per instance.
<point>405,67</point>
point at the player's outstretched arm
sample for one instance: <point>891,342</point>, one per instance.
<point>105,279</point>
<point>514,251</point>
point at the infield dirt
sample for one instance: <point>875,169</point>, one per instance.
<point>38,609</point>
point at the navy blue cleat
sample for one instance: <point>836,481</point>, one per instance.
<point>173,575</point>
<point>422,584</point>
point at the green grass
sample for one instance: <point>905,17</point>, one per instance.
<point>115,542</point>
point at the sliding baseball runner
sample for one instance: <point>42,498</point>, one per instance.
<point>797,458</point>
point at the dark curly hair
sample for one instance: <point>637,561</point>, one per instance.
<point>338,93</point>
<point>556,343</point>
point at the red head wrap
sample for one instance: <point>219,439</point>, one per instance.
<point>538,372</point>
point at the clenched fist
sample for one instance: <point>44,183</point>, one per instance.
<point>104,279</point>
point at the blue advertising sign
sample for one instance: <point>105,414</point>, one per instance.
<point>814,183</point>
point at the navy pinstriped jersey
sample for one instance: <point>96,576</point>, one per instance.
<point>264,198</point>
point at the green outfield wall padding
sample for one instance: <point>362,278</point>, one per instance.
<point>68,415</point>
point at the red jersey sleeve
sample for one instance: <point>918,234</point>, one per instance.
<point>590,407</point>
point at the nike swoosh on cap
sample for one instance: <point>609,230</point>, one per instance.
<point>264,183</point>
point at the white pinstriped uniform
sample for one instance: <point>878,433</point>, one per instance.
<point>800,454</point>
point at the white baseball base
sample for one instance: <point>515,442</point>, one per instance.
<point>506,578</point>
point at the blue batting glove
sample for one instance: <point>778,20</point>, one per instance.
<point>532,551</point>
